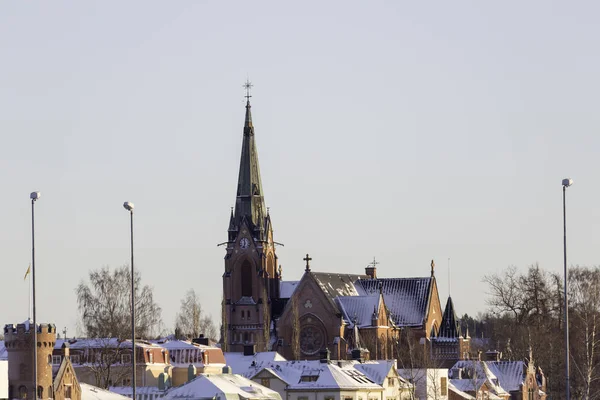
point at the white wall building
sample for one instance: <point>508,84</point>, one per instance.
<point>429,383</point>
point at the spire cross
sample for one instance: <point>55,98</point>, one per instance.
<point>307,259</point>
<point>248,86</point>
<point>374,263</point>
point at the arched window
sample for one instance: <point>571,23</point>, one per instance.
<point>246,279</point>
<point>22,392</point>
<point>271,266</point>
<point>40,392</point>
<point>246,337</point>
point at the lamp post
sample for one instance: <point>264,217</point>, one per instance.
<point>565,184</point>
<point>129,207</point>
<point>34,196</point>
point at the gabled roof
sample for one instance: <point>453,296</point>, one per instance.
<point>376,370</point>
<point>510,373</point>
<point>221,386</point>
<point>287,288</point>
<point>65,363</point>
<point>406,298</point>
<point>359,308</point>
<point>449,328</point>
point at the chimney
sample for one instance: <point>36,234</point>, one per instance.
<point>64,350</point>
<point>325,356</point>
<point>371,271</point>
<point>249,349</point>
<point>201,340</point>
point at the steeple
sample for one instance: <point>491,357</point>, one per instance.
<point>449,327</point>
<point>250,203</point>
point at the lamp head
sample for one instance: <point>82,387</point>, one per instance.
<point>35,195</point>
<point>128,206</point>
<point>567,182</point>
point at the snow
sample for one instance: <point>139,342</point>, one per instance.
<point>221,386</point>
<point>3,351</point>
<point>89,392</point>
<point>377,371</point>
<point>510,373</point>
<point>287,288</point>
<point>240,364</point>
<point>459,392</point>
<point>358,307</point>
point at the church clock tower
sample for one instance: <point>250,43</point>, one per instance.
<point>251,279</point>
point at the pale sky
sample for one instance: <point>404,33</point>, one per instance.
<point>408,131</point>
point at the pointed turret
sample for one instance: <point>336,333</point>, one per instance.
<point>250,202</point>
<point>449,327</point>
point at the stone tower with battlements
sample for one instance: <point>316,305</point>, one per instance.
<point>19,344</point>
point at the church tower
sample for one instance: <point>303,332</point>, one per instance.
<point>251,279</point>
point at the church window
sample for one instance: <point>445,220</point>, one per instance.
<point>125,358</point>
<point>246,279</point>
<point>246,337</point>
<point>243,314</point>
<point>248,314</point>
<point>270,266</point>
<point>266,382</point>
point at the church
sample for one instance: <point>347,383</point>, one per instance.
<point>342,315</point>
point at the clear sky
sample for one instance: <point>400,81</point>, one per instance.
<point>408,131</point>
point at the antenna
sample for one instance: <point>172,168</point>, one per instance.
<point>448,276</point>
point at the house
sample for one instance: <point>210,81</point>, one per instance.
<point>428,383</point>
<point>220,387</point>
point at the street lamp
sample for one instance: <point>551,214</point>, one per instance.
<point>34,196</point>
<point>129,207</point>
<point>565,184</point>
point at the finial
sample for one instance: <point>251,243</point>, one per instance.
<point>280,271</point>
<point>373,263</point>
<point>380,287</point>
<point>307,259</point>
<point>248,86</point>
<point>432,267</point>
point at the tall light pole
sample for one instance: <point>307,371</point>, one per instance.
<point>34,196</point>
<point>565,184</point>
<point>129,207</point>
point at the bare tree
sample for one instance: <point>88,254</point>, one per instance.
<point>105,305</point>
<point>266,320</point>
<point>190,321</point>
<point>295,329</point>
<point>108,360</point>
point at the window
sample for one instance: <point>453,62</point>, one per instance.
<point>309,378</point>
<point>22,392</point>
<point>125,358</point>
<point>67,391</point>
<point>444,386</point>
<point>40,392</point>
<point>390,381</point>
<point>56,360</point>
<point>530,394</point>
<point>266,382</point>
<point>248,314</point>
<point>50,359</point>
<point>74,358</point>
<point>151,357</point>
<point>243,314</point>
<point>127,382</point>
<point>246,279</point>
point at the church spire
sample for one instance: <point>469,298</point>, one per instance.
<point>250,203</point>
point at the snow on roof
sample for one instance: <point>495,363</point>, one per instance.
<point>3,352</point>
<point>286,288</point>
<point>509,373</point>
<point>313,374</point>
<point>459,392</point>
<point>241,364</point>
<point>358,307</point>
<point>482,370</point>
<point>334,284</point>
<point>375,370</point>
<point>467,385</point>
<point>177,344</point>
<point>227,385</point>
<point>89,392</point>
<point>406,298</point>
<point>96,343</point>
<point>139,390</point>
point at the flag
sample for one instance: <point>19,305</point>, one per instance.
<point>28,271</point>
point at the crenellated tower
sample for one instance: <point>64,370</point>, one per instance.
<point>19,344</point>
<point>251,279</point>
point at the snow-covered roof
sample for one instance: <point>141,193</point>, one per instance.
<point>509,373</point>
<point>359,308</point>
<point>406,298</point>
<point>98,343</point>
<point>459,392</point>
<point>3,351</point>
<point>240,364</point>
<point>335,284</point>
<point>376,370</point>
<point>467,385</point>
<point>230,386</point>
<point>314,374</point>
<point>481,370</point>
<point>286,288</point>
<point>89,392</point>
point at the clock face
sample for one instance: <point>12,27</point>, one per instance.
<point>244,243</point>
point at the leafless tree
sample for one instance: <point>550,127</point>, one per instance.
<point>266,320</point>
<point>105,305</point>
<point>295,329</point>
<point>191,321</point>
<point>108,361</point>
